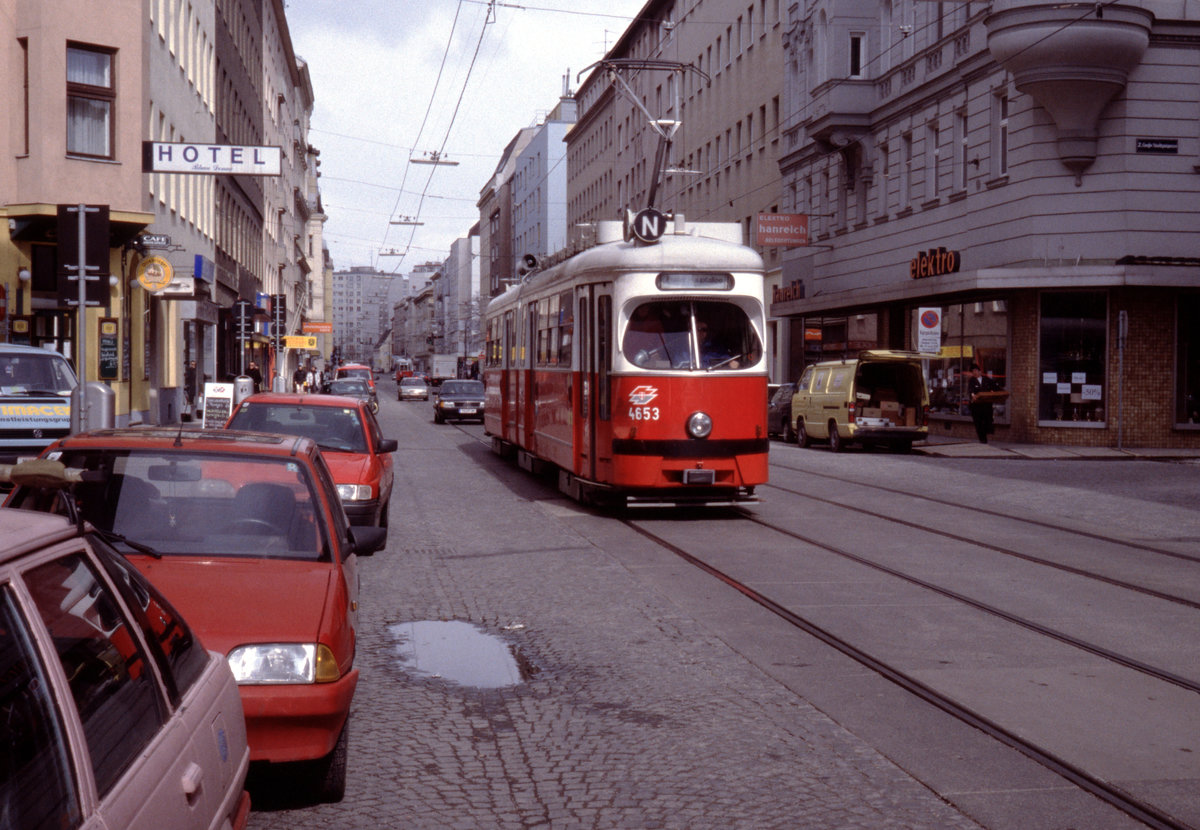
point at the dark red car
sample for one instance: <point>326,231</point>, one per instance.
<point>243,533</point>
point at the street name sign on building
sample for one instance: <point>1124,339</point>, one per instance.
<point>213,159</point>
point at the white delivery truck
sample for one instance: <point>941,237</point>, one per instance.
<point>35,399</point>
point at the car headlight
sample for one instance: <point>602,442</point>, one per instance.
<point>699,425</point>
<point>354,492</point>
<point>277,663</point>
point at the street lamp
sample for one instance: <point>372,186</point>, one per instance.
<point>434,157</point>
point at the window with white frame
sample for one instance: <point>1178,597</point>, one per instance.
<point>1000,134</point>
<point>858,41</point>
<point>91,96</point>
<point>960,150</point>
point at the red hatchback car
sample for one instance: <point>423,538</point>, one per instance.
<point>244,534</point>
<point>349,437</point>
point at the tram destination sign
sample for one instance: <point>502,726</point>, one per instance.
<point>211,159</point>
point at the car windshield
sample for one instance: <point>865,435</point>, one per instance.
<point>699,335</point>
<point>334,428</point>
<point>354,373</point>
<point>184,503</point>
<point>29,373</point>
<point>462,387</point>
<point>412,382</point>
<point>349,386</point>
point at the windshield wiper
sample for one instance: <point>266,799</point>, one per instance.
<point>112,537</point>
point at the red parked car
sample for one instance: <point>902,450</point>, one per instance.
<point>243,533</point>
<point>345,429</point>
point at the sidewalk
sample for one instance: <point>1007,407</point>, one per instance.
<point>959,448</point>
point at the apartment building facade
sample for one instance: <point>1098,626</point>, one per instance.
<point>1012,184</point>
<point>178,248</point>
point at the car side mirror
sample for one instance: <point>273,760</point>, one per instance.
<point>388,445</point>
<point>366,539</point>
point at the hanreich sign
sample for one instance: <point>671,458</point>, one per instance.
<point>781,230</point>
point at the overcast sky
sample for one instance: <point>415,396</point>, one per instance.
<point>378,100</point>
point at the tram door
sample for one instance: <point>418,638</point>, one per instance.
<point>585,434</point>
<point>595,362</point>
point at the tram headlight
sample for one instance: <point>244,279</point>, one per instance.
<point>699,425</point>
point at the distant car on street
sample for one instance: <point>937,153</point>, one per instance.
<point>458,400</point>
<point>346,430</point>
<point>243,533</point>
<point>112,713</point>
<point>353,388</point>
<point>412,389</point>
<point>779,412</point>
<point>356,370</point>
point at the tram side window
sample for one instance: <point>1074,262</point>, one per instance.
<point>566,321</point>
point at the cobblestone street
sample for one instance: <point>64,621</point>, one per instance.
<point>633,714</point>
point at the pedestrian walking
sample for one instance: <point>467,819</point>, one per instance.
<point>189,383</point>
<point>255,376</point>
<point>981,408</point>
<point>298,378</point>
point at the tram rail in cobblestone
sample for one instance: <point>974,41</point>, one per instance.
<point>1112,795</point>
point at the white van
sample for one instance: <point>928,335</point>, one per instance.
<point>35,399</point>
<point>878,397</point>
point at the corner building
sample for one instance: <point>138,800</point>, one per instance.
<point>1010,183</point>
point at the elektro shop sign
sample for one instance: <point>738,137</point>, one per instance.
<point>213,159</point>
<point>934,263</point>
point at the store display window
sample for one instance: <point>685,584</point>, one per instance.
<point>975,332</point>
<point>1187,361</point>
<point>1072,344</point>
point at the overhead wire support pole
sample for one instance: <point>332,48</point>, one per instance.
<point>664,127</point>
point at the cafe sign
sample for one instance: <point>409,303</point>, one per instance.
<point>935,262</point>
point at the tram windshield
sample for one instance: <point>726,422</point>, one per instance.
<point>693,335</point>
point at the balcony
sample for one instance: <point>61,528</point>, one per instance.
<point>1073,58</point>
<point>840,112</point>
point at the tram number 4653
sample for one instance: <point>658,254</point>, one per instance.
<point>643,413</point>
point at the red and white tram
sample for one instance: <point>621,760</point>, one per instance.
<point>636,369</point>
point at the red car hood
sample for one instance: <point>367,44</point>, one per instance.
<point>348,467</point>
<point>233,602</point>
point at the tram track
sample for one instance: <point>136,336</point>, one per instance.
<point>997,548</point>
<point>1107,792</point>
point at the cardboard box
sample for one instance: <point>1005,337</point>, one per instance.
<point>890,410</point>
<point>870,412</point>
<point>910,416</point>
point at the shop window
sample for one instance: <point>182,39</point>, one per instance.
<point>1072,344</point>
<point>971,333</point>
<point>1187,368</point>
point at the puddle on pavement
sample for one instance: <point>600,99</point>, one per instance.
<point>458,652</point>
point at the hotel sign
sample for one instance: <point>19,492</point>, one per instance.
<point>213,159</point>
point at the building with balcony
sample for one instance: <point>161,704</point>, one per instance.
<point>1013,184</point>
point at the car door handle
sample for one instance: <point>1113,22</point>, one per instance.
<point>191,780</point>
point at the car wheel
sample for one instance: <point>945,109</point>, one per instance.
<point>835,440</point>
<point>383,514</point>
<point>802,436</point>
<point>331,770</point>
<point>399,397</point>
<point>789,434</point>
<point>437,418</point>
